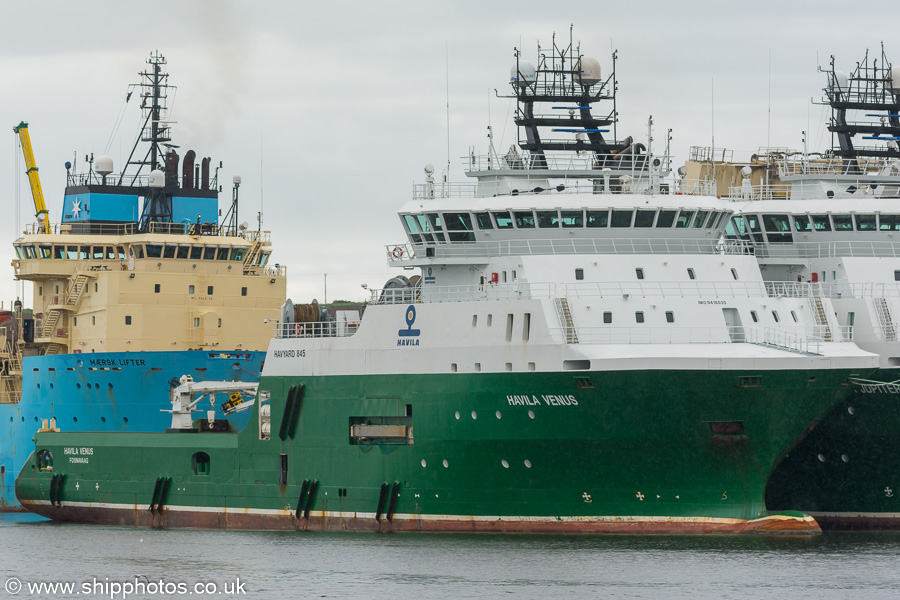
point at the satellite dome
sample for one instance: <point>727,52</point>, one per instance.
<point>104,165</point>
<point>746,171</point>
<point>894,84</point>
<point>236,180</point>
<point>587,71</point>
<point>157,179</point>
<point>841,81</point>
<point>524,74</point>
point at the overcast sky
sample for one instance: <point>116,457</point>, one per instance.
<point>329,110</point>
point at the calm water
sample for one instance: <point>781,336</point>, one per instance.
<point>400,566</point>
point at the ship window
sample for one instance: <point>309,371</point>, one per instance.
<point>96,287</point>
<point>896,275</point>
<point>411,224</point>
<point>889,222</point>
<point>701,219</point>
<point>547,218</point>
<point>639,317</point>
<point>715,219</point>
<point>93,320</point>
<point>509,327</point>
<point>110,253</point>
<point>670,316</point>
<point>45,460</point>
<point>425,228</point>
<point>154,251</point>
<point>209,290</point>
<point>684,219</point>
<point>120,250</point>
<point>778,227</point>
<point>196,321</point>
<point>190,289</point>
<point>222,253</point>
<point>209,253</point>
<point>196,252</point>
<point>579,274</point>
<point>621,218</point>
<point>58,251</point>
<point>666,218</point>
<point>842,222</point>
<point>607,317</point>
<point>734,273</point>
<point>435,220</point>
<point>183,252</point>
<point>644,218</point>
<point>263,259</point>
<point>46,250</point>
<point>865,223</point>
<point>200,463</point>
<point>484,221</point>
<point>97,252</point>
<point>524,219</point>
<point>138,251</point>
<point>802,223</point>
<point>220,323</point>
<point>775,316</point>
<point>526,327</point>
<point>574,218</point>
<point>504,221</point>
<point>75,321</point>
<point>820,222</point>
<point>794,316</point>
<point>691,273</point>
<point>19,252</point>
<point>30,253</point>
<point>128,319</point>
<point>156,288</point>
<point>459,227</point>
<point>754,316</point>
<point>243,291</point>
<point>639,272</point>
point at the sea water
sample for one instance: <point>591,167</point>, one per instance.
<point>240,564</point>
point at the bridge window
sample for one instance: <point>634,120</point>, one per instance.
<point>110,253</point>
<point>574,218</point>
<point>196,252</point>
<point>700,220</point>
<point>436,227</point>
<point>547,218</point>
<point>778,227</point>
<point>238,253</point>
<point>524,220</point>
<point>684,219</point>
<point>889,222</point>
<point>596,218</point>
<point>666,218</point>
<point>802,223</point>
<point>58,251</point>
<point>413,229</point>
<point>425,228</point>
<point>169,251</point>
<point>865,223</point>
<point>622,218</point>
<point>209,253</point>
<point>120,250</point>
<point>484,221</point>
<point>459,227</point>
<point>504,221</point>
<point>154,251</point>
<point>720,216</point>
<point>138,250</point>
<point>46,251</point>
<point>820,222</point>
<point>183,252</point>
<point>222,253</point>
<point>842,222</point>
<point>97,253</point>
<point>644,218</point>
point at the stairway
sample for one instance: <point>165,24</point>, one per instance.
<point>565,319</point>
<point>888,330</point>
<point>72,298</point>
<point>821,317</point>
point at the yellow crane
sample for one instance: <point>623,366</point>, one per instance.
<point>42,215</point>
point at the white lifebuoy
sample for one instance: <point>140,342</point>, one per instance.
<point>397,252</point>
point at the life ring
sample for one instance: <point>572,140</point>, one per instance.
<point>397,252</point>
<point>298,329</point>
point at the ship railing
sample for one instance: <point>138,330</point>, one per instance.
<point>275,271</point>
<point>524,290</point>
<point>318,329</point>
<point>121,229</point>
<point>399,253</point>
<point>849,248</point>
<point>707,154</point>
<point>536,182</point>
<point>814,190</point>
<point>797,339</point>
<point>568,161</point>
<point>831,165</point>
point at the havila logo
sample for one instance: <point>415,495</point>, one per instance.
<point>407,335</point>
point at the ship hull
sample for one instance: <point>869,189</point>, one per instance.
<point>845,472</point>
<point>110,391</point>
<point>592,452</point>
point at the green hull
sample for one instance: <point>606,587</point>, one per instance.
<point>624,451</point>
<point>845,471</point>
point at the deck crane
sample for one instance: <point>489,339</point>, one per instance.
<point>40,207</point>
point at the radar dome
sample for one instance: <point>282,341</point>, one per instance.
<point>524,74</point>
<point>894,83</point>
<point>841,81</point>
<point>587,71</point>
<point>104,165</point>
<point>157,179</point>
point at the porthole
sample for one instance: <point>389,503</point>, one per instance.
<point>446,464</point>
<point>821,458</point>
<point>527,464</point>
<point>530,414</point>
<point>103,419</point>
<point>74,419</point>
<point>504,463</point>
<point>851,410</point>
<point>424,464</point>
<point>457,415</point>
<point>845,458</point>
<point>474,415</point>
<point>51,386</point>
<point>499,416</point>
<point>78,385</point>
<point>125,420</point>
<point>109,385</point>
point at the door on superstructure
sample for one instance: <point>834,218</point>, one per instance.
<point>733,322</point>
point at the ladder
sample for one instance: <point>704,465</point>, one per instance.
<point>565,319</point>
<point>888,330</point>
<point>821,317</point>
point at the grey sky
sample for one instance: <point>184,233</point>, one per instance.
<point>343,103</point>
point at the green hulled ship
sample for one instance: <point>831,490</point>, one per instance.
<point>579,352</point>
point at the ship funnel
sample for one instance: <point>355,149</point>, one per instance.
<point>187,170</point>
<point>172,168</point>
<point>204,173</point>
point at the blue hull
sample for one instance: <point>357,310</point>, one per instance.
<point>112,391</point>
